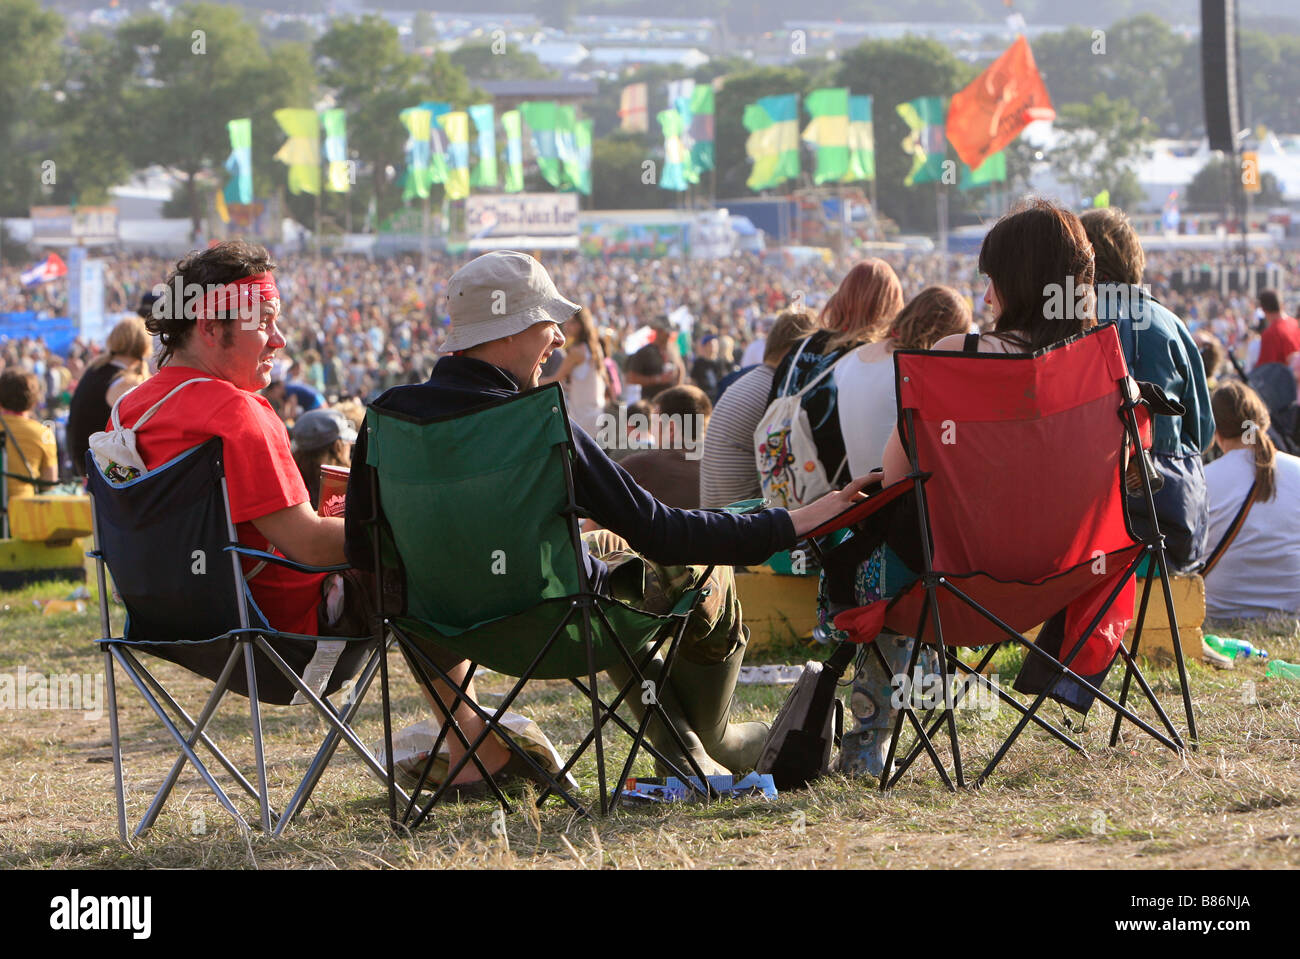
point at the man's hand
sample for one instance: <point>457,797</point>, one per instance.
<point>808,518</point>
<point>304,537</point>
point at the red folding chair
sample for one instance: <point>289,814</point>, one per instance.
<point>1017,467</point>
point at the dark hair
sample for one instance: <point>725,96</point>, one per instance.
<point>1031,255</point>
<point>226,262</point>
<point>790,327</point>
<point>1268,301</point>
<point>1212,352</point>
<point>1115,244</point>
<point>935,312</point>
<point>1239,411</point>
<point>20,390</point>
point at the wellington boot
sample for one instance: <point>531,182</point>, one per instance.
<point>705,693</point>
<point>655,731</point>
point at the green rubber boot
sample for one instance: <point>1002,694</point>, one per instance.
<point>672,708</point>
<point>705,693</point>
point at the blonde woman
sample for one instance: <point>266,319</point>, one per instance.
<point>120,367</point>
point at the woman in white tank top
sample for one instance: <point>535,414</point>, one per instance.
<point>583,372</point>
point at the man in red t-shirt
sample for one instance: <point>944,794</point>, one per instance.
<point>227,346</point>
<point>1282,336</point>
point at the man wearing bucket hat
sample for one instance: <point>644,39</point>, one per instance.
<point>505,321</point>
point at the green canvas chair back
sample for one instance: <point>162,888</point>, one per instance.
<point>475,506</point>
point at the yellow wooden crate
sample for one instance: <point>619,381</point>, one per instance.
<point>49,518</point>
<point>777,608</point>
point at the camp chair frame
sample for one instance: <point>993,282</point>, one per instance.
<point>586,611</point>
<point>933,581</point>
<point>119,652</point>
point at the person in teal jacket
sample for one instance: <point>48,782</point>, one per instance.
<point>1159,349</point>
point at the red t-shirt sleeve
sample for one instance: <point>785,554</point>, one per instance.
<point>261,476</point>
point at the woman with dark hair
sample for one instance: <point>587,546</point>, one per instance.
<point>1040,268</point>
<point>29,444</point>
<point>1258,571</point>
<point>583,372</point>
<point>860,311</point>
<point>864,379</point>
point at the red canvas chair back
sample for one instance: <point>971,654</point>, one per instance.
<point>1025,496</point>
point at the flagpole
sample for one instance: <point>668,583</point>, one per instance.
<point>317,230</point>
<point>941,217</point>
<point>424,233</point>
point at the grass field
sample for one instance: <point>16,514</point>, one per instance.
<point>1235,803</point>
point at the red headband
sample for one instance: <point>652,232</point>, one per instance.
<point>243,298</point>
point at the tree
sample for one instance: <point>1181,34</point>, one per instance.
<point>894,72</point>
<point>209,67</point>
<point>481,62</point>
<point>1214,188</point>
<point>30,71</point>
<point>362,63</point>
<point>1099,147</point>
<point>618,180</point>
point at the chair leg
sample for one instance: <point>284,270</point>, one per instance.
<point>1137,637</point>
<point>255,721</point>
<point>389,772</point>
<point>596,725</point>
<point>196,734</point>
<point>110,687</point>
<point>184,745</point>
<point>323,756</point>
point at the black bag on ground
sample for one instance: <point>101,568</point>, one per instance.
<point>809,725</point>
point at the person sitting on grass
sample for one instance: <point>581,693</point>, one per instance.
<point>29,444</point>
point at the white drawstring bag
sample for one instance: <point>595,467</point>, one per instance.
<point>114,450</point>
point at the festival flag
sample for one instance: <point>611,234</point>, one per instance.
<point>336,150</point>
<point>1101,200</point>
<point>924,117</point>
<point>301,151</point>
<point>540,115</point>
<point>632,113</point>
<point>992,170</point>
<point>51,268</point>
<point>862,141</point>
<point>1170,215</point>
<point>415,183</point>
<point>239,188</point>
<point>484,173</point>
<point>456,127</point>
<point>674,172</point>
<point>828,132</point>
<point>566,146</point>
<point>701,127</point>
<point>773,143</point>
<point>438,168</point>
<point>582,133</point>
<point>992,110</point>
<point>512,124</point>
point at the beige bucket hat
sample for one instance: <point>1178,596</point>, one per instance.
<point>500,294</point>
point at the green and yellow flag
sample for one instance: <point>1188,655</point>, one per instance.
<point>674,172</point>
<point>301,152</point>
<point>418,121</point>
<point>992,170</point>
<point>828,132</point>
<point>512,124</point>
<point>456,127</point>
<point>335,125</point>
<point>773,143</point>
<point>862,141</point>
<point>485,169</point>
<point>927,143</point>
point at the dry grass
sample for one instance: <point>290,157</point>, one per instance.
<point>1235,803</point>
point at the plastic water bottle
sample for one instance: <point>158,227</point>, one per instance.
<point>1234,648</point>
<point>1278,669</point>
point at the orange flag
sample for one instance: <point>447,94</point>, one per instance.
<point>997,105</point>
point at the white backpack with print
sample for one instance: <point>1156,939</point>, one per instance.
<point>790,469</point>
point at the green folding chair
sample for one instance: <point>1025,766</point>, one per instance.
<point>475,514</point>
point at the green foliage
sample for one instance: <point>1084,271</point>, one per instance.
<point>1099,147</point>
<point>29,69</point>
<point>1214,189</point>
<point>480,63</point>
<point>617,165</point>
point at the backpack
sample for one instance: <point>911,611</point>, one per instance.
<point>790,469</point>
<point>809,725</point>
<point>114,450</point>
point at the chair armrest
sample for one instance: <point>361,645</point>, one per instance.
<point>877,498</point>
<point>282,561</point>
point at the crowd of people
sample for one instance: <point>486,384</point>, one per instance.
<point>672,369</point>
